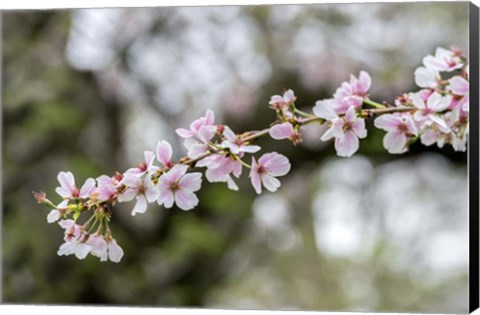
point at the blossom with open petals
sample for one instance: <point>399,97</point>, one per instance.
<point>351,93</point>
<point>74,240</point>
<point>346,129</point>
<point>444,60</point>
<point>177,187</point>
<point>269,166</point>
<point>107,188</point>
<point>143,189</point>
<point>201,131</point>
<point>197,124</point>
<point>400,129</point>
<point>282,102</point>
<point>68,189</point>
<point>220,168</point>
<point>428,111</point>
<point>235,143</point>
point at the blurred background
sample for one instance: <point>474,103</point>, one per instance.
<point>89,90</point>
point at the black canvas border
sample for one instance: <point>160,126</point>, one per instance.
<point>473,157</point>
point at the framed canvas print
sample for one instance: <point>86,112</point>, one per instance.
<point>316,157</point>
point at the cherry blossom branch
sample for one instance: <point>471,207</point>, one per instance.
<point>438,113</point>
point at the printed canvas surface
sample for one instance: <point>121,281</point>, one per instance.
<point>300,157</point>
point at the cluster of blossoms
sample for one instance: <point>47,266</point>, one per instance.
<point>438,113</point>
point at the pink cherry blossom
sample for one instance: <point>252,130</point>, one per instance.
<point>143,189</point>
<point>346,130</point>
<point>427,111</point>
<point>98,245</point>
<point>400,129</point>
<point>220,168</point>
<point>68,189</point>
<point>285,131</point>
<point>235,143</point>
<point>455,134</point>
<point>351,93</point>
<point>55,214</point>
<point>178,187</point>
<point>279,102</point>
<point>269,166</point>
<point>461,87</point>
<point>74,240</point>
<point>356,87</point>
<point>199,144</point>
<point>107,188</point>
<point>145,167</point>
<point>197,124</point>
<point>444,60</point>
<point>164,153</point>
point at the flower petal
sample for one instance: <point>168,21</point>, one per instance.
<point>364,82</point>
<point>82,250</point>
<point>88,188</point>
<point>350,114</point>
<point>209,117</point>
<point>387,122</point>
<point>53,216</point>
<point>347,145</point>
<point>206,133</point>
<point>270,182</point>
<point>395,141</point>
<point>429,137</point>
<point>231,183</point>
<point>358,126</point>
<point>276,165</point>
<point>229,134</point>
<point>324,109</point>
<point>166,198</point>
<point>140,205</point>
<point>334,131</point>
<point>417,100</point>
<point>175,173</point>
<point>66,249</point>
<point>164,152</point>
<point>128,194</point>
<point>67,181</point>
<point>282,131</point>
<point>439,103</point>
<point>255,177</point>
<point>459,86</point>
<point>439,121</point>
<point>185,200</point>
<point>425,77</point>
<point>115,252</point>
<point>184,133</point>
<point>151,193</point>
<point>191,181</point>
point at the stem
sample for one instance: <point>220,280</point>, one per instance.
<point>241,161</point>
<point>372,103</point>
<point>297,111</point>
<point>387,110</point>
<point>93,225</point>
